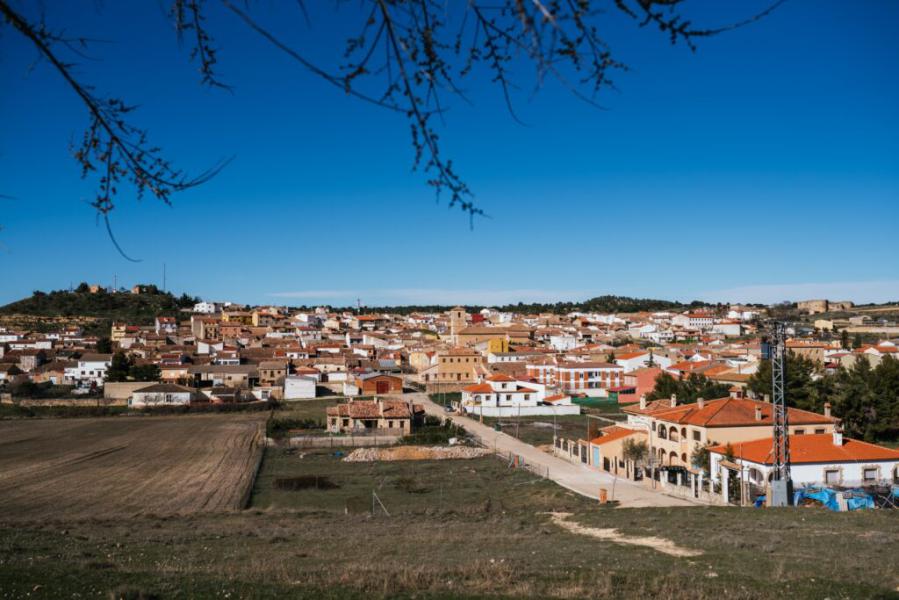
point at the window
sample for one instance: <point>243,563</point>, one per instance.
<point>819,431</point>
<point>832,476</point>
<point>697,435</point>
<point>799,432</point>
<point>870,473</point>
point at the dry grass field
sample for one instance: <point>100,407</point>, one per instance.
<point>121,466</point>
<point>139,507</point>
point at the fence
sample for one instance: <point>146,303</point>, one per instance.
<point>516,461</point>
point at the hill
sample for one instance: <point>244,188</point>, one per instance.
<point>602,304</point>
<point>94,310</point>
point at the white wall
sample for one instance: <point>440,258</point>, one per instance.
<point>524,411</point>
<point>296,387</point>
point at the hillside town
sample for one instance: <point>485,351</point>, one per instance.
<point>618,372</point>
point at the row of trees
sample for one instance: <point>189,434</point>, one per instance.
<point>865,398</point>
<point>688,389</point>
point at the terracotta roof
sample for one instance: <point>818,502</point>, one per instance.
<point>813,448</point>
<point>630,355</point>
<point>735,412</point>
<point>478,388</point>
<point>373,409</point>
<point>164,388</point>
<point>652,406</point>
<point>615,432</point>
<point>500,377</point>
<point>690,366</point>
<point>588,365</point>
<point>555,398</point>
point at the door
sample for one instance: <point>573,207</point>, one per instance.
<point>382,387</point>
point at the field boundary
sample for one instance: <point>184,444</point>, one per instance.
<point>259,441</point>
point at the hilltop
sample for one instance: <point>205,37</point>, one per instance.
<point>94,308</point>
<point>600,304</point>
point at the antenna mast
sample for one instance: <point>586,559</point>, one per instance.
<point>781,487</point>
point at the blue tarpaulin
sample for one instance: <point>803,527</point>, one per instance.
<point>855,499</point>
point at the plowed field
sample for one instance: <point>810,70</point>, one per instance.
<point>73,468</point>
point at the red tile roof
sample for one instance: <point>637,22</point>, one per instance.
<point>478,388</point>
<point>735,412</point>
<point>615,432</point>
<point>813,448</point>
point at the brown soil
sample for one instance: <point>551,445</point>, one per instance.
<point>60,468</point>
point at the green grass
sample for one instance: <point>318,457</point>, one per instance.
<point>405,487</point>
<point>539,430</point>
<point>88,409</point>
<point>445,398</point>
<point>300,414</point>
<point>457,529</point>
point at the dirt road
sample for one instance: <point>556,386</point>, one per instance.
<point>575,477</point>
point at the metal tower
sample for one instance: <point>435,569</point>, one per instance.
<point>781,487</point>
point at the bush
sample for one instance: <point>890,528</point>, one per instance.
<point>433,432</point>
<point>279,427</point>
<point>29,390</point>
<point>304,482</point>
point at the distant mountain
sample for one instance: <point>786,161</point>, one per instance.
<point>602,304</point>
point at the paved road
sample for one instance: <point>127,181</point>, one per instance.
<point>577,478</point>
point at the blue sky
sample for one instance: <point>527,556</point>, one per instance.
<point>764,166</point>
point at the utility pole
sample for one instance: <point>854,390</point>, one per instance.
<point>780,492</point>
<point>163,277</point>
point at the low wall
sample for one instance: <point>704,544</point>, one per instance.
<point>437,388</point>
<point>524,411</point>
<point>71,402</point>
<point>341,441</point>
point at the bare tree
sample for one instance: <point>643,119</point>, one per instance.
<point>407,56</point>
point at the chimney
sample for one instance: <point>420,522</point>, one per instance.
<point>758,413</point>
<point>827,409</point>
<point>837,437</point>
<point>767,398</point>
<point>642,401</point>
<point>673,400</point>
<point>700,402</point>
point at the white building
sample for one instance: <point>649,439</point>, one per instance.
<point>815,459</point>
<point>161,394</point>
<point>502,396</point>
<point>728,328</point>
<point>206,308</point>
<point>562,342</point>
<point>297,387</point>
<point>166,325</point>
<point>90,370</point>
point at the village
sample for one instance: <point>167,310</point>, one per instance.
<point>596,391</point>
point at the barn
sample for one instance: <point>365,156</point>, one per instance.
<point>377,383</point>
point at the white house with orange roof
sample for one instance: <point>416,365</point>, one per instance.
<point>815,459</point>
<point>500,395</point>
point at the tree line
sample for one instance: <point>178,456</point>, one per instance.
<point>864,397</point>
